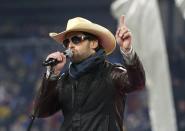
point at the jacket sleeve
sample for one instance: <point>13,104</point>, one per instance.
<point>129,78</point>
<point>46,102</point>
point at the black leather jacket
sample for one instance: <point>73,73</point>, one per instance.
<point>94,102</point>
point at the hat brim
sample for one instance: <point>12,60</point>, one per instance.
<point>106,38</point>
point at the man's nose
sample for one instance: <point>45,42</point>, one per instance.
<point>71,45</point>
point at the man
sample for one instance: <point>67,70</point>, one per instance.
<point>92,92</point>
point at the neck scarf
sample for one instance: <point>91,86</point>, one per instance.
<point>76,70</point>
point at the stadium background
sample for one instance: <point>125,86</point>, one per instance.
<point>24,44</point>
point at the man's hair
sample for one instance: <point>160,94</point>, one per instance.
<point>93,37</point>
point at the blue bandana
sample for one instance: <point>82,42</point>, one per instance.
<point>76,70</point>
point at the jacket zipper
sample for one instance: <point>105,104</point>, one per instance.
<point>74,86</point>
<point>107,122</point>
<point>73,95</point>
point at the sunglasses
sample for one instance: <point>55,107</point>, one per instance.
<point>75,39</point>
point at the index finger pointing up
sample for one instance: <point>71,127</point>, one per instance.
<point>122,21</point>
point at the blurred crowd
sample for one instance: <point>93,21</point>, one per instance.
<point>21,71</point>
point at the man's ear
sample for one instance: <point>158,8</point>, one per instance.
<point>94,44</point>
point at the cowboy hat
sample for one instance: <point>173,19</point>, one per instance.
<point>107,39</point>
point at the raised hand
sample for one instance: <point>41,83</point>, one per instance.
<point>123,35</point>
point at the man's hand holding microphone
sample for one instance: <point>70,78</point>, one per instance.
<point>57,61</point>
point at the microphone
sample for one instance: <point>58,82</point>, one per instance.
<point>52,62</point>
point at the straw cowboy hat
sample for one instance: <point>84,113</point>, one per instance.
<point>107,39</point>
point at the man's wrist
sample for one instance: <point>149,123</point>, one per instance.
<point>50,74</point>
<point>126,50</point>
<point>128,55</point>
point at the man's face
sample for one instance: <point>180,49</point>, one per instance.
<point>80,45</point>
